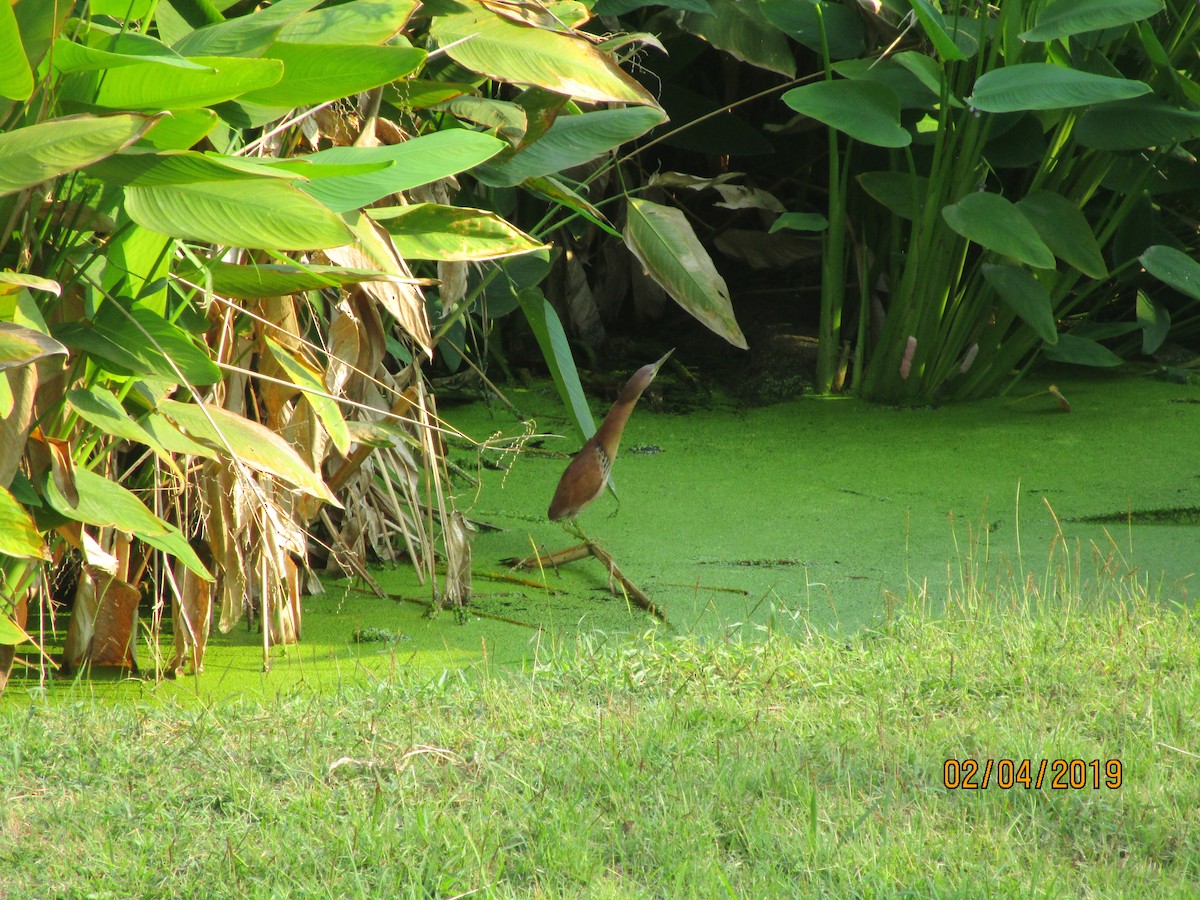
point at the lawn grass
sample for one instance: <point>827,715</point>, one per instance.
<point>768,765</point>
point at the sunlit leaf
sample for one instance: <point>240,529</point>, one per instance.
<point>20,346</point>
<point>128,49</point>
<point>572,141</point>
<point>499,48</point>
<point>246,282</point>
<point>10,632</point>
<point>314,73</point>
<point>995,223</point>
<point>434,231</point>
<point>156,86</point>
<point>16,78</point>
<point>411,164</point>
<point>18,535</point>
<point>556,350</point>
<point>37,153</point>
<point>258,214</point>
<point>358,22</point>
<point>103,502</point>
<point>101,408</point>
<point>664,243</point>
<point>312,385</point>
<point>256,446</point>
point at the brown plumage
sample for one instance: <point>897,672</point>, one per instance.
<point>587,473</point>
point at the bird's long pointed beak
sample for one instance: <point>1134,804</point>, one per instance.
<point>654,367</point>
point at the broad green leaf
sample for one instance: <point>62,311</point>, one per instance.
<point>866,111</point>
<point>741,30</point>
<point>18,535</point>
<point>312,385</point>
<point>1028,298</point>
<point>12,282</point>
<point>102,503</point>
<point>1065,18</point>
<point>260,214</point>
<point>413,163</point>
<point>156,86</point>
<point>247,35</point>
<point>11,633</point>
<point>173,543</point>
<point>16,78</point>
<point>359,22</point>
<point>572,141</point>
<point>800,222</point>
<point>434,231</point>
<point>556,192</point>
<point>256,446</point>
<point>934,26</point>
<point>503,50</point>
<point>1173,267</point>
<point>1046,86</point>
<point>129,49</point>
<point>1081,352</point>
<point>150,335</point>
<point>137,264</point>
<point>174,440</point>
<point>101,408</point>
<point>31,155</point>
<point>802,20</point>
<point>556,350</point>
<point>315,73</point>
<point>996,224</point>
<point>900,192</point>
<point>1155,321</point>
<point>275,279</point>
<point>120,9</point>
<point>664,243</point>
<point>1065,230</point>
<point>181,130</point>
<point>1136,124</point>
<point>181,167</point>
<point>505,119</point>
<point>21,346</point>
<point>910,91</point>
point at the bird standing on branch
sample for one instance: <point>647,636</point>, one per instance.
<point>587,474</point>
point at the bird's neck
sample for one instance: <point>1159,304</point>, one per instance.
<point>608,435</point>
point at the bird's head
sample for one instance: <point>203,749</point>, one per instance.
<point>640,380</point>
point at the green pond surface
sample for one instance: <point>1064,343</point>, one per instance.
<point>809,514</point>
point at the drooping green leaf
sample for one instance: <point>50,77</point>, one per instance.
<point>315,73</point>
<point>21,346</point>
<point>556,350</point>
<point>1028,298</point>
<point>16,77</point>
<point>157,86</point>
<point>1155,321</point>
<point>900,192</point>
<point>101,408</point>
<point>1081,352</point>
<point>800,222</point>
<point>802,21</point>
<point>572,141</point>
<point>1065,230</point>
<point>664,243</point>
<point>556,192</point>
<point>256,214</point>
<point>434,231</point>
<point>247,35</point>
<point>501,49</point>
<point>996,224</point>
<point>741,30</point>
<point>18,535</point>
<point>256,446</point>
<point>128,49</point>
<point>934,25</point>
<point>1065,18</point>
<point>247,282</point>
<point>865,110</point>
<point>181,130</point>
<point>1028,86</point>
<point>1173,267</point>
<point>1136,124</point>
<point>312,384</point>
<point>412,163</point>
<point>103,502</point>
<point>358,22</point>
<point>37,153</point>
<point>11,633</point>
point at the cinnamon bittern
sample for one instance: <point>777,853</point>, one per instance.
<point>587,473</point>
